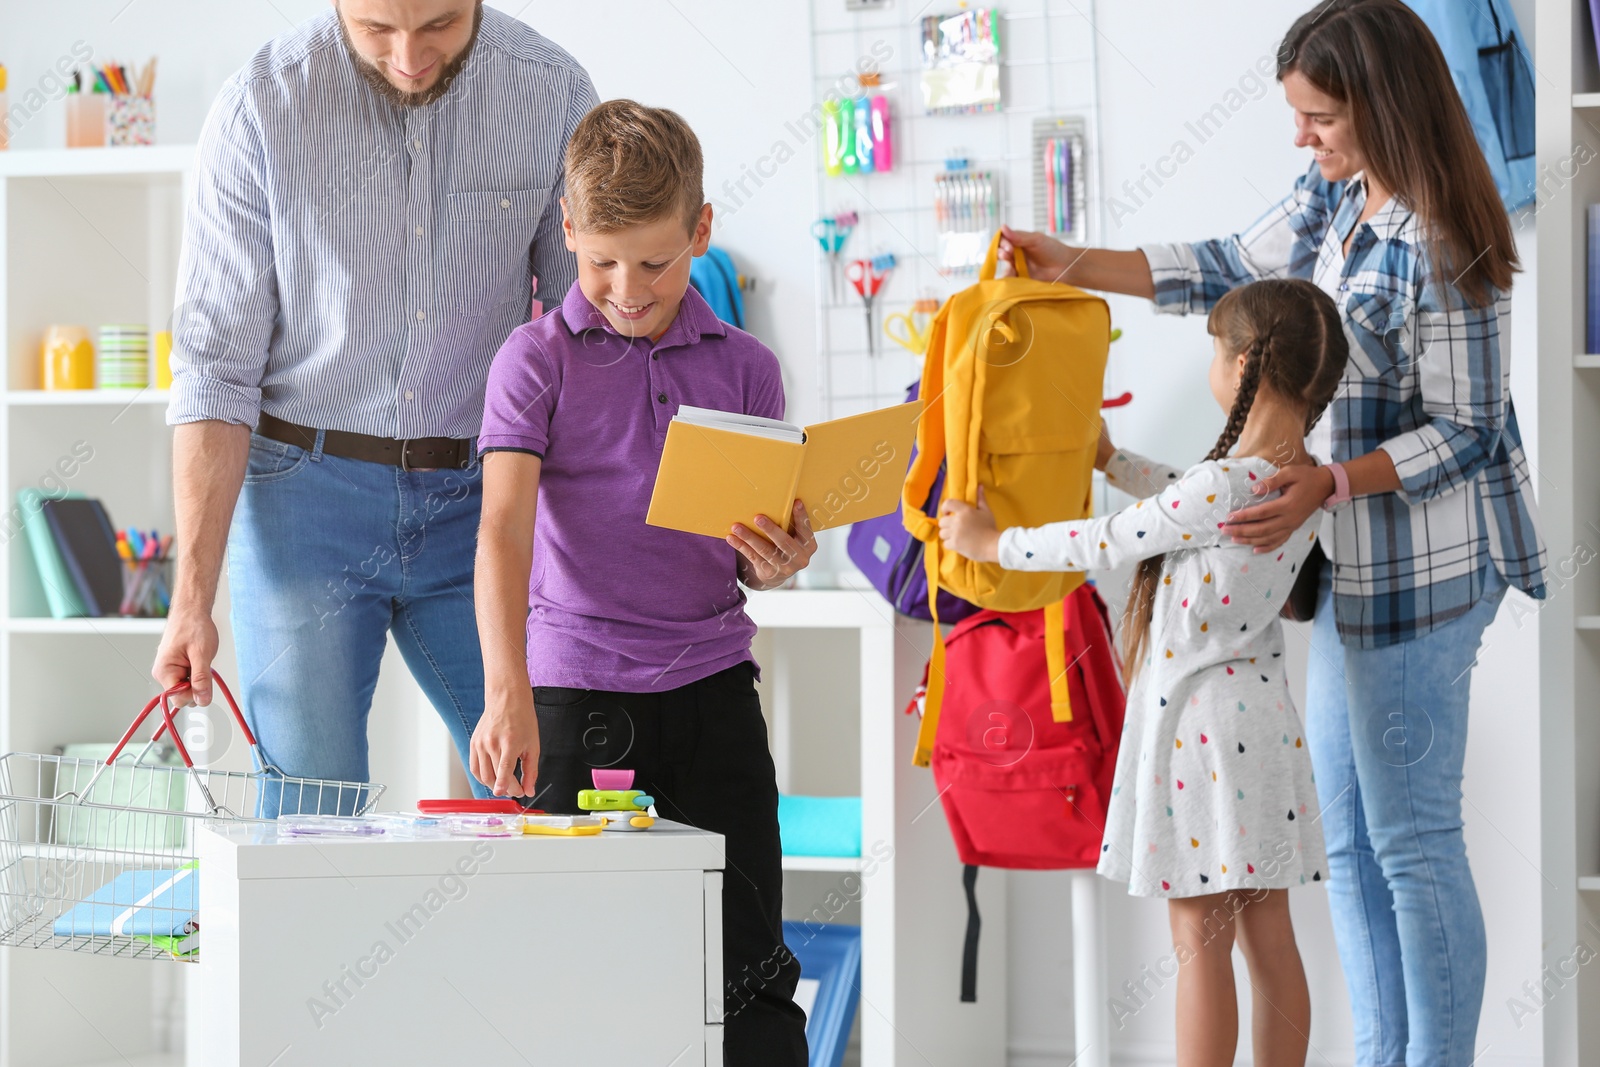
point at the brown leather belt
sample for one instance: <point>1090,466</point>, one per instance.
<point>419,453</point>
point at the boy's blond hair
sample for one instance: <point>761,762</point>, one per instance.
<point>631,165</point>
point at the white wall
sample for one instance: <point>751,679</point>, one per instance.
<point>738,72</point>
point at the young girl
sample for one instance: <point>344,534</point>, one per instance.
<point>1213,806</point>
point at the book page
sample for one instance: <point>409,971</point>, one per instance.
<point>733,420</point>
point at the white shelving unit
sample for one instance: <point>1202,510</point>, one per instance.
<point>857,665</point>
<point>88,237</point>
<point>1569,506</point>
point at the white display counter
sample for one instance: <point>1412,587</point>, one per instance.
<point>540,950</point>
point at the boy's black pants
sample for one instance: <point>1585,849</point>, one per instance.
<point>701,751</point>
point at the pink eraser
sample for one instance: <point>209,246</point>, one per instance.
<point>610,779</point>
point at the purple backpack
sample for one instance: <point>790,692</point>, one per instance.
<point>892,559</point>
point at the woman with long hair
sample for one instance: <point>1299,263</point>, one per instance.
<point>1430,512</point>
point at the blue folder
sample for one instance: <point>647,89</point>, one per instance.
<point>830,954</point>
<point>137,904</point>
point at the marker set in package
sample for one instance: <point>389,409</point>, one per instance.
<point>855,132</point>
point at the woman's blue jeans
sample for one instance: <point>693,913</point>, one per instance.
<point>1388,734</point>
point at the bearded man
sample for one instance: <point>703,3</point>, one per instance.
<point>376,194</point>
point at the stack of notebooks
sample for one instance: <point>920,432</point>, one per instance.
<point>75,551</point>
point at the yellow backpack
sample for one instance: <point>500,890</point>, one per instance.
<point>1013,377</point>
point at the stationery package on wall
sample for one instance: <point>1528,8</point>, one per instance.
<point>966,211</point>
<point>867,277</point>
<point>1060,194</point>
<point>968,156</point>
<point>961,62</point>
<point>831,234</point>
<point>856,131</point>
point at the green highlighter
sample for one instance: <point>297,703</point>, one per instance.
<point>613,800</point>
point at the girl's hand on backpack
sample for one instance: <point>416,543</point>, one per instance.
<point>970,531</point>
<point>1105,450</point>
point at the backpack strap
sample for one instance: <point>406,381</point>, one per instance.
<point>991,262</point>
<point>930,454</point>
<point>934,696</point>
<point>1104,689</point>
<point>930,457</point>
<point>969,948</point>
<point>1055,655</point>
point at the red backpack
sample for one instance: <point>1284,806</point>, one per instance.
<point>1021,790</point>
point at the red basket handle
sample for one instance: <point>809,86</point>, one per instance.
<point>165,700</point>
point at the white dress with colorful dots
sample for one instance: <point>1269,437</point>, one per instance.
<point>1213,789</point>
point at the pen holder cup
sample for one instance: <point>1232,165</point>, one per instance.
<point>131,120</point>
<point>86,120</point>
<point>146,588</point>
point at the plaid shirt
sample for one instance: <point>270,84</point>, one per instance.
<point>1428,382</point>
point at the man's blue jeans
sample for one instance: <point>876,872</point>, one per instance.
<point>326,557</point>
<point>1388,734</point>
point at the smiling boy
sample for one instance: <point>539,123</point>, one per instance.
<point>637,651</point>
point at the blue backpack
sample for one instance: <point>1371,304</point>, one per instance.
<point>714,276</point>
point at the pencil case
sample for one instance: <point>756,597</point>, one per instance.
<point>562,825</point>
<point>613,800</point>
<point>329,826</point>
<point>473,806</point>
<point>483,825</point>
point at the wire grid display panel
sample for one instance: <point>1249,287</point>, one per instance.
<point>59,853</point>
<point>1048,69</point>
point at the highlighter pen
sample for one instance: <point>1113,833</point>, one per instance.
<point>847,131</point>
<point>865,154</point>
<point>882,154</point>
<point>832,139</point>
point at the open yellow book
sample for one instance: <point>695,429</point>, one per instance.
<point>720,467</point>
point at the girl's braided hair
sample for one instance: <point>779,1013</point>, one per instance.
<point>1295,348</point>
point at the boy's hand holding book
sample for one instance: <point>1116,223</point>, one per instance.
<point>719,469</point>
<point>771,555</point>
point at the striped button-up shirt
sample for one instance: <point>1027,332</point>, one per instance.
<point>1428,382</point>
<point>353,264</point>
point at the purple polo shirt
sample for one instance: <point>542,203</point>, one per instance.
<point>616,604</point>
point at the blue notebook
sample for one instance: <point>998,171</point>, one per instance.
<point>88,546</point>
<point>56,582</point>
<point>137,904</point>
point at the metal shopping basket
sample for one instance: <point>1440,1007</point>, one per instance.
<point>99,855</point>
